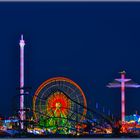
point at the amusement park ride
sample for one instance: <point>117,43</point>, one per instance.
<point>22,112</point>
<point>123,83</point>
<point>54,98</point>
<point>60,107</point>
<point>59,104</point>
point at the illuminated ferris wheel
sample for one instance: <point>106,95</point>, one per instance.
<point>60,102</point>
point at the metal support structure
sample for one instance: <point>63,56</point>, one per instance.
<point>123,96</point>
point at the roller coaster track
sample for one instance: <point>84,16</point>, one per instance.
<point>93,111</point>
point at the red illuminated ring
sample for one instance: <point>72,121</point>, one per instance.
<point>60,79</point>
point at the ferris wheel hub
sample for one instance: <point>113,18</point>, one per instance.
<point>58,105</point>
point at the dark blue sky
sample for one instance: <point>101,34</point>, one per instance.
<point>86,42</point>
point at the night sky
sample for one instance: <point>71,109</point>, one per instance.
<point>86,42</point>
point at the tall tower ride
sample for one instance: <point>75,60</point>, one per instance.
<point>22,112</point>
<point>123,83</point>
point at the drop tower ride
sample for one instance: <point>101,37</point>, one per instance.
<point>22,112</point>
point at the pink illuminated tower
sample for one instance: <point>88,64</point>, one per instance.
<point>123,83</point>
<point>22,112</point>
